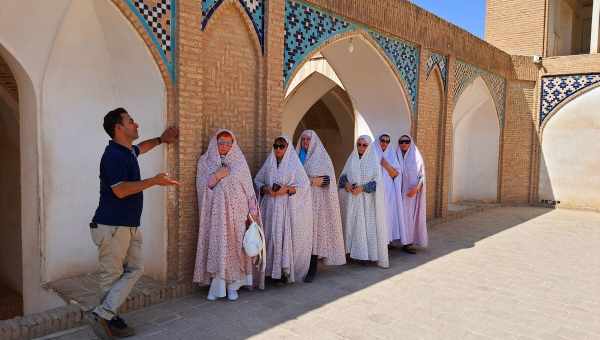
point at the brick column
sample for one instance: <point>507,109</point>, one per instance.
<point>447,142</point>
<point>273,66</point>
<point>189,106</point>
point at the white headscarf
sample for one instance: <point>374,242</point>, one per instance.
<point>223,212</point>
<point>328,239</point>
<point>287,219</point>
<point>392,187</point>
<point>415,209</point>
<point>362,170</point>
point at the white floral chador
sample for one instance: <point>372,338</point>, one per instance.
<point>328,236</point>
<point>287,219</point>
<point>223,211</point>
<point>363,215</point>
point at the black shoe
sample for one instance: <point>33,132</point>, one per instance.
<point>99,325</point>
<point>119,328</point>
<point>408,249</point>
<point>312,270</point>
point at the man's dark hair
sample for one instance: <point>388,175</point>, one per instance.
<point>111,119</point>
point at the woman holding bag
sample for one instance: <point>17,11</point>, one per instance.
<point>227,205</point>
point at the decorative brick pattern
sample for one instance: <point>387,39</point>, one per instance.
<point>555,90</point>
<point>159,19</point>
<point>405,57</point>
<point>254,8</point>
<point>465,74</point>
<point>306,29</point>
<point>441,62</point>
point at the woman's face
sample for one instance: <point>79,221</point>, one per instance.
<point>362,145</point>
<point>305,141</point>
<point>404,143</point>
<point>224,144</point>
<point>279,147</point>
<point>384,141</point>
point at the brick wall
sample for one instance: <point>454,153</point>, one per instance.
<point>225,80</point>
<point>517,139</point>
<point>190,104</point>
<point>429,133</point>
<point>516,26</point>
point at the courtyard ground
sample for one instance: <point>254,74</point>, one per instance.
<point>507,273</point>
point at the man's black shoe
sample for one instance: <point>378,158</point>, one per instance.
<point>119,328</point>
<point>99,325</point>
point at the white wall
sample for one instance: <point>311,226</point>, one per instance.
<point>374,90</point>
<point>475,146</point>
<point>571,154</point>
<point>302,98</point>
<point>379,101</point>
<point>82,58</point>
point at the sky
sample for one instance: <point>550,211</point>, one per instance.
<point>467,14</point>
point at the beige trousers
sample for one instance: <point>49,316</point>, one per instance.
<point>121,265</point>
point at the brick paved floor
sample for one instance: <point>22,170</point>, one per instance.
<point>507,273</point>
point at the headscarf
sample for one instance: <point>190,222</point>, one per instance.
<point>328,240</point>
<point>287,219</point>
<point>393,188</point>
<point>362,170</point>
<point>413,174</point>
<point>223,211</point>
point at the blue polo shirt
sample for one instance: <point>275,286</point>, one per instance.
<point>119,164</point>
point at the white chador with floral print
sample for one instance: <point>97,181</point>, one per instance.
<point>287,218</point>
<point>363,214</point>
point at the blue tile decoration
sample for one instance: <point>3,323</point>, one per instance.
<point>557,89</point>
<point>254,8</point>
<point>158,17</point>
<point>306,29</point>
<point>405,57</point>
<point>465,74</point>
<point>441,62</point>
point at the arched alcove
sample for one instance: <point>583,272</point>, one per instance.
<point>569,153</point>
<point>377,98</point>
<point>476,138</point>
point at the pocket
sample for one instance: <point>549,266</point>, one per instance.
<point>97,235</point>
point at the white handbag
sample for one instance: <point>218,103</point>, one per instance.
<point>254,241</point>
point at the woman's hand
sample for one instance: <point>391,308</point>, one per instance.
<point>316,181</point>
<point>357,190</point>
<point>412,192</point>
<point>222,173</point>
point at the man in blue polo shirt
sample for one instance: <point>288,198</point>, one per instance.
<point>114,227</point>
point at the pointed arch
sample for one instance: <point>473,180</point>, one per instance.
<point>232,101</point>
<point>476,145</point>
<point>429,137</point>
<point>157,26</point>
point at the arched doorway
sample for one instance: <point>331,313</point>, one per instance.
<point>353,65</point>
<point>11,258</point>
<point>569,153</point>
<point>73,62</point>
<point>476,136</point>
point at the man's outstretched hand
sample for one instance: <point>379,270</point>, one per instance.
<point>163,179</point>
<point>170,135</point>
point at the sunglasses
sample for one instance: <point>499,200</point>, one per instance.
<point>404,142</point>
<point>278,146</point>
<point>225,143</point>
<point>361,144</point>
<point>386,141</point>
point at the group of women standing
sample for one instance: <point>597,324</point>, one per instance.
<point>306,215</point>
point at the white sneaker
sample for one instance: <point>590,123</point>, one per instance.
<point>211,297</point>
<point>232,294</point>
